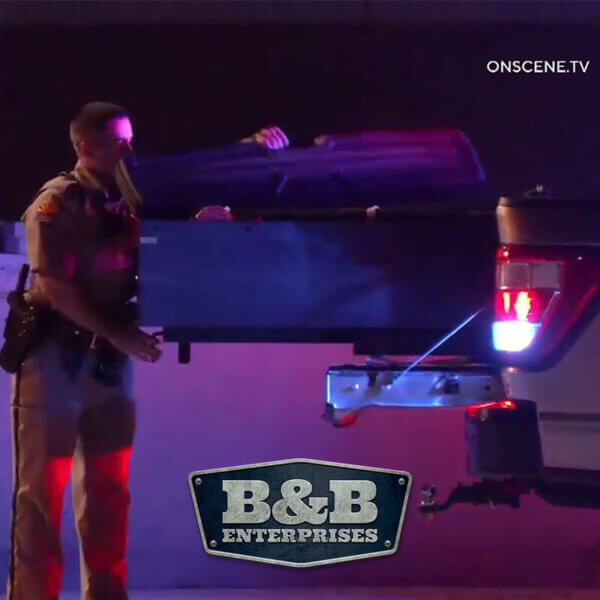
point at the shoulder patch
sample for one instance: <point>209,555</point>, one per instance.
<point>49,206</point>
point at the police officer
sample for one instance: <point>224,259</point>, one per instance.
<point>71,403</point>
<point>71,407</point>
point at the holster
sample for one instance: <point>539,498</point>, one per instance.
<point>25,327</point>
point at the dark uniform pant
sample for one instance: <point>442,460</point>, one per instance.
<point>63,425</point>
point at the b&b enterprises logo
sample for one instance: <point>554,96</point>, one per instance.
<point>300,512</point>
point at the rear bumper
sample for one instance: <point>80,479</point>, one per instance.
<point>351,389</point>
<point>503,438</point>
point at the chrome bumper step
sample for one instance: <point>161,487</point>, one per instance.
<point>351,389</point>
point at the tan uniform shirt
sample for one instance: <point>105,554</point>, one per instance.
<point>76,231</point>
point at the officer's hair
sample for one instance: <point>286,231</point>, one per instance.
<point>93,118</point>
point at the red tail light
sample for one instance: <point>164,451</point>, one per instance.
<point>522,305</point>
<point>541,293</point>
<point>474,408</point>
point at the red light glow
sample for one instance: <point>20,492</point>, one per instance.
<point>347,420</point>
<point>474,409</point>
<point>522,305</point>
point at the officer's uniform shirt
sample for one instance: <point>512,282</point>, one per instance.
<point>89,239</point>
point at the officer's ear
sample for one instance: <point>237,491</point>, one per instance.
<point>83,148</point>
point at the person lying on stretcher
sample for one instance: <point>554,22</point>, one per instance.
<point>271,138</point>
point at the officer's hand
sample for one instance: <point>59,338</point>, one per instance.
<point>272,138</point>
<point>132,340</point>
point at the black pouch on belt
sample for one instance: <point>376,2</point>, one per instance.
<point>109,363</point>
<point>72,353</point>
<point>74,343</point>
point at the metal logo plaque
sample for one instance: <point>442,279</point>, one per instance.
<point>300,512</point>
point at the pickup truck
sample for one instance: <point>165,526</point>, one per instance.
<point>396,243</point>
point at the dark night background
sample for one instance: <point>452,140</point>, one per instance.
<point>204,73</point>
<point>191,83</point>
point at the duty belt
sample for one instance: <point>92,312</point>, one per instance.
<point>76,342</point>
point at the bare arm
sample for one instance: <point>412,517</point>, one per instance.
<point>66,298</point>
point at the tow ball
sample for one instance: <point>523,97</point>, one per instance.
<point>490,492</point>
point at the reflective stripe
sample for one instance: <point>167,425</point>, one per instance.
<point>15,448</point>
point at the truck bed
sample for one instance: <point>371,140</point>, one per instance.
<point>393,285</point>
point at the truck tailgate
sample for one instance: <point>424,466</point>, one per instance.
<point>395,284</point>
